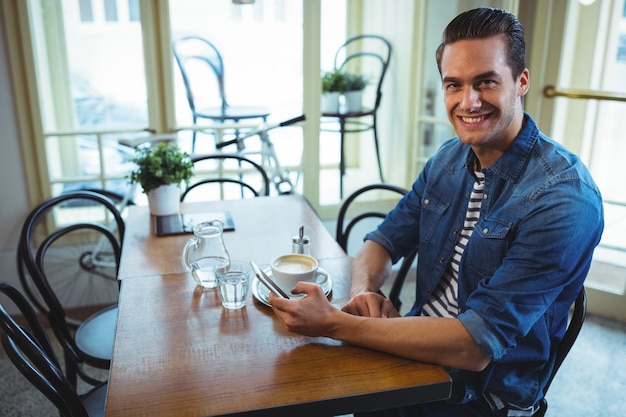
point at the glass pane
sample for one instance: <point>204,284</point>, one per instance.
<point>261,49</point>
<point>91,78</point>
<point>610,139</point>
<point>261,46</point>
<point>594,128</point>
<point>89,161</point>
<point>105,65</point>
<point>609,143</point>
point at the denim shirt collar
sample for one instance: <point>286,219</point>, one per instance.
<point>511,163</point>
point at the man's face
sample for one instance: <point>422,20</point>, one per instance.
<point>482,98</point>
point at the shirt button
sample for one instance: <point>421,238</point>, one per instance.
<point>485,231</point>
<point>484,196</point>
<point>426,201</point>
<point>469,396</point>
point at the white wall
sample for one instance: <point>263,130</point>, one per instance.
<point>13,197</point>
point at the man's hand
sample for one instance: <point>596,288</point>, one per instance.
<point>312,315</point>
<point>371,304</point>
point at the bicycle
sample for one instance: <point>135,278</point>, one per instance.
<point>279,176</point>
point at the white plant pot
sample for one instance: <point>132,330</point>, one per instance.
<point>330,102</point>
<point>164,200</point>
<point>352,101</point>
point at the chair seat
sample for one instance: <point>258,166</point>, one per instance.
<point>95,336</point>
<point>349,126</point>
<point>95,401</point>
<point>233,113</point>
<point>345,115</point>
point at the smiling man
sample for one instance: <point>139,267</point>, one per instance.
<point>483,95</point>
<point>505,221</point>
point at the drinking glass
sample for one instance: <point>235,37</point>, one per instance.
<point>233,284</point>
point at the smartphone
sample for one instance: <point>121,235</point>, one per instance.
<point>267,281</point>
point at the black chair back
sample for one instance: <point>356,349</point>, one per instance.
<point>346,221</point>
<point>369,53</point>
<point>565,345</point>
<point>202,69</point>
<point>191,50</point>
<point>69,255</point>
<point>226,176</point>
<point>81,262</point>
<point>30,350</point>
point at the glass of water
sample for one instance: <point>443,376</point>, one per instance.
<point>233,284</point>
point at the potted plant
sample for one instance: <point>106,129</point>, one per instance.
<point>333,85</point>
<point>160,170</point>
<point>353,91</point>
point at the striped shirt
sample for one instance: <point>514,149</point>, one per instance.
<point>443,302</point>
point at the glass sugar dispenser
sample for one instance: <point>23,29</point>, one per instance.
<point>301,243</point>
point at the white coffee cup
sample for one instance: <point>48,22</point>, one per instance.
<point>290,269</point>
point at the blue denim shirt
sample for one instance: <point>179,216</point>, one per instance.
<point>540,220</point>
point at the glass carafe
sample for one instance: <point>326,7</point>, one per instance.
<point>206,252</point>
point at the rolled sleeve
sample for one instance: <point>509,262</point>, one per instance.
<point>378,237</point>
<point>482,334</point>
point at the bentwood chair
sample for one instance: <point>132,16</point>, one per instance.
<point>202,70</point>
<point>368,55</point>
<point>565,345</point>
<point>225,176</point>
<point>28,347</point>
<point>348,218</point>
<point>68,258</point>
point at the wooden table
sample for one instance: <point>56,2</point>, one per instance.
<point>179,353</point>
<point>264,227</point>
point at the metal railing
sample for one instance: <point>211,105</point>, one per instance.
<point>551,91</point>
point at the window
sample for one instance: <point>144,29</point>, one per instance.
<point>95,86</point>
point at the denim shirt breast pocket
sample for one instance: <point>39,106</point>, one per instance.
<point>487,247</point>
<point>433,207</point>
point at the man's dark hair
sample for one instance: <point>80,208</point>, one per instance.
<point>485,22</point>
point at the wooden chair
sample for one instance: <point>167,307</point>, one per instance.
<point>368,53</point>
<point>202,69</point>
<point>347,221</point>
<point>565,345</point>
<point>63,254</point>
<point>226,176</point>
<point>29,349</point>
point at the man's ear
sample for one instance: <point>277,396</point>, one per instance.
<point>523,83</point>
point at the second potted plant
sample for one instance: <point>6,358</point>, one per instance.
<point>160,171</point>
<point>353,92</point>
<point>333,85</point>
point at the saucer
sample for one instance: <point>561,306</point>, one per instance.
<point>262,294</point>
